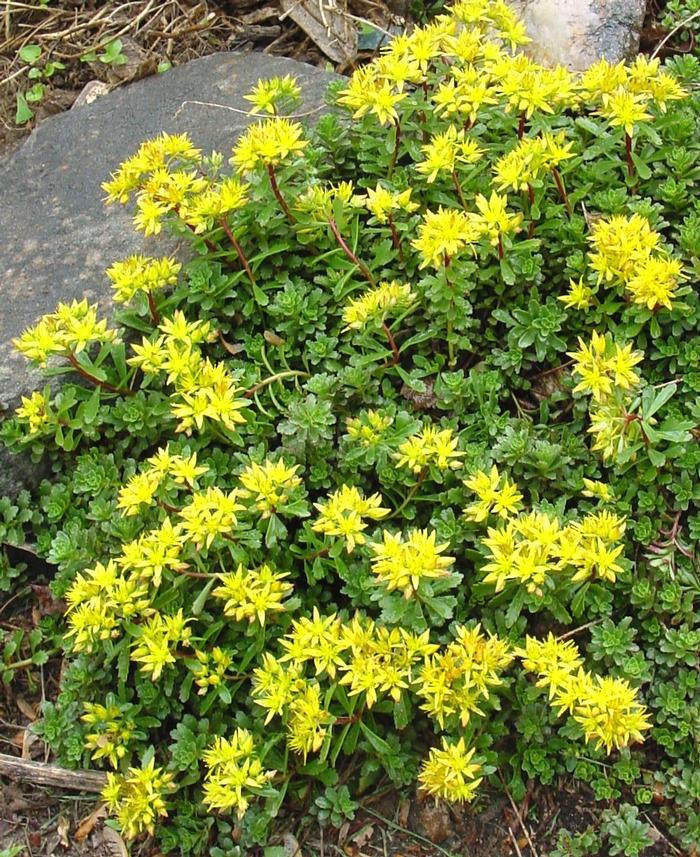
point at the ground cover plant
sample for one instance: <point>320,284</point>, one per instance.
<point>397,479</point>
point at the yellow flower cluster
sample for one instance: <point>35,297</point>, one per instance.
<point>455,680</point>
<point>98,600</point>
<point>67,331</point>
<point>624,93</point>
<point>203,390</point>
<point>606,371</point>
<point>603,365</point>
<point>252,594</point>
<point>626,252</point>
<point>430,446</point>
<point>141,274</point>
<point>319,202</point>
<point>36,410</point>
<point>606,708</point>
<point>502,501</point>
<point>343,515</point>
<point>267,143</point>
<point>209,514</point>
<point>159,635</point>
<point>210,668</point>
<point>403,562</point>
<point>112,734</point>
<point>530,160</point>
<point>381,202</point>
<point>164,467</point>
<point>235,773</point>
<point>534,546</point>
<point>446,151</point>
<point>443,234</point>
<point>137,798</point>
<point>269,484</point>
<point>374,305</point>
<point>369,428</point>
<point>268,96</point>
<point>449,774</point>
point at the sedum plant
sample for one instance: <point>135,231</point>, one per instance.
<point>339,499</point>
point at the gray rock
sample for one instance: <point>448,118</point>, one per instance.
<point>577,33</point>
<point>58,237</point>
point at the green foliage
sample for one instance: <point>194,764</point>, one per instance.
<point>314,350</point>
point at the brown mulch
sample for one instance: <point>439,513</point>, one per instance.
<point>152,32</point>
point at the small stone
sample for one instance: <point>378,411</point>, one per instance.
<point>431,820</point>
<point>92,90</point>
<point>577,33</point>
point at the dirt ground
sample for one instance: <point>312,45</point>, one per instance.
<point>42,821</point>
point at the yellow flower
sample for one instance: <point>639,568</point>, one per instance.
<point>502,501</point>
<point>449,774</point>
<point>141,274</point>
<point>275,686</point>
<point>235,773</point>
<point>210,513</point>
<point>317,639</point>
<point>579,295</point>
<point>381,202</point>
<point>654,281</point>
<point>611,715</point>
<point>446,150</point>
<point>308,721</point>
<point>602,365</point>
<point>113,731</point>
<point>35,409</point>
<point>400,563</point>
<point>624,109</point>
<point>268,143</point>
<point>138,491</point>
<point>269,484</point>
<point>493,220</point>
<point>210,668</point>
<point>253,594</point>
<point>159,636</point>
<point>370,427</point>
<point>599,490</point>
<point>602,79</point>
<point>375,304</point>
<point>443,234</point>
<point>429,446</point>
<point>137,798</point>
<point>343,513</point>
<point>268,95</point>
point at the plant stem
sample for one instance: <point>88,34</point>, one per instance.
<point>521,126</point>
<point>152,308</point>
<point>500,246</point>
<point>411,494</point>
<point>73,360</point>
<point>395,237</point>
<point>451,356</point>
<point>531,200</point>
<point>239,250</point>
<point>628,154</point>
<point>392,344</point>
<point>458,188</point>
<point>395,153</point>
<point>290,373</point>
<point>348,252</point>
<point>562,191</point>
<point>278,194</point>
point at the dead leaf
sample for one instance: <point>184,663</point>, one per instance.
<point>291,845</point>
<point>114,842</point>
<point>328,25</point>
<point>257,16</point>
<point>25,708</point>
<point>48,605</point>
<point>363,835</point>
<point>272,338</point>
<point>234,348</point>
<point>62,829</point>
<point>404,811</point>
<point>27,740</point>
<point>87,825</point>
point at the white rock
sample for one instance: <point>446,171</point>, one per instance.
<point>577,33</point>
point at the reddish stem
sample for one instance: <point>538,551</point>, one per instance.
<point>278,194</point>
<point>628,154</point>
<point>562,191</point>
<point>500,246</point>
<point>93,380</point>
<point>458,188</point>
<point>392,344</point>
<point>348,252</point>
<point>521,126</point>
<point>152,309</point>
<point>395,238</point>
<point>239,250</point>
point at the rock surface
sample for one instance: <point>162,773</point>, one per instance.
<point>577,33</point>
<point>58,237</point>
